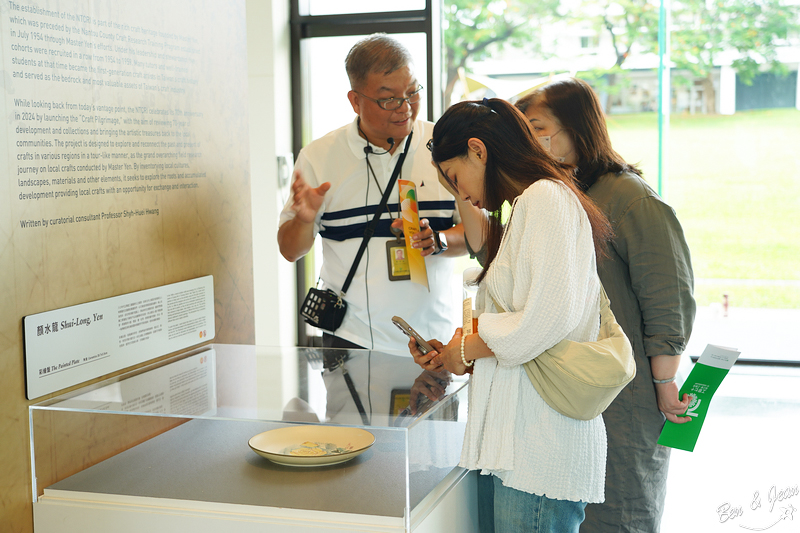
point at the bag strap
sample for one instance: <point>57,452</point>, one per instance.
<point>370,229</point>
<point>604,301</point>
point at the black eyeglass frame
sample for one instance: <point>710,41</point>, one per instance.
<point>429,146</point>
<point>383,101</point>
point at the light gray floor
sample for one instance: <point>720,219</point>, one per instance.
<point>744,472</point>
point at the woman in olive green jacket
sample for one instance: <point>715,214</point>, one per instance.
<point>648,278</point>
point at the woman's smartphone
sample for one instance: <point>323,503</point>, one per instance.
<point>424,347</point>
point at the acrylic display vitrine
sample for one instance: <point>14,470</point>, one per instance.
<point>167,447</point>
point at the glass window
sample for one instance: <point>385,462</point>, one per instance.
<point>326,84</point>
<point>347,7</point>
<point>731,173</point>
<point>323,33</point>
<point>730,170</point>
<point>734,176</point>
<point>326,87</point>
<point>734,180</point>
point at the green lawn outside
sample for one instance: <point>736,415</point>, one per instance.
<point>734,182</point>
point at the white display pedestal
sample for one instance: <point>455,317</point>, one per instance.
<point>451,507</point>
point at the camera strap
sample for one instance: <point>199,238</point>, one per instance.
<point>354,394</point>
<point>370,229</point>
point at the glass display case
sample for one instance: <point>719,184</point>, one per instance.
<point>168,446</point>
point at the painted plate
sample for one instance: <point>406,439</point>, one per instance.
<point>311,445</point>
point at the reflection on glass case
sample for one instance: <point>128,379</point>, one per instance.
<point>371,442</point>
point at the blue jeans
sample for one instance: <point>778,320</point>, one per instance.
<point>506,510</point>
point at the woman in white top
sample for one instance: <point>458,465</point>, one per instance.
<point>539,285</point>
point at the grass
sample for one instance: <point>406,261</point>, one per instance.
<point>734,182</point>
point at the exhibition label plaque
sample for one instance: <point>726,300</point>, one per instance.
<point>68,346</point>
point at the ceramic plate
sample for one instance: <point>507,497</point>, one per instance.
<point>311,445</point>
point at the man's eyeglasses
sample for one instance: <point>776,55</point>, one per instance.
<point>390,104</point>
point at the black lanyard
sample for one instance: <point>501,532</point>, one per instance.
<point>370,229</point>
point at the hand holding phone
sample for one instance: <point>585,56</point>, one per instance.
<point>423,345</point>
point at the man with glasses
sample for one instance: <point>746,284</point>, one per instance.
<point>339,181</point>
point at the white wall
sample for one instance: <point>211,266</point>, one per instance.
<point>270,136</point>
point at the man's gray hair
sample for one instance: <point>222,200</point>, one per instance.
<point>377,53</point>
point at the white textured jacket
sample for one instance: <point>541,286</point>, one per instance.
<point>545,277</point>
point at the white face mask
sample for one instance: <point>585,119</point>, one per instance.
<point>545,140</point>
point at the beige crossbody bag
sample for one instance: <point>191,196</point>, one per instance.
<point>581,379</point>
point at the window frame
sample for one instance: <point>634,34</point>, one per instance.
<point>425,21</point>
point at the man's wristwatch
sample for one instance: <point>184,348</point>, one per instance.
<point>440,242</point>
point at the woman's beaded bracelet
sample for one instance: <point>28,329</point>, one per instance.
<point>464,359</point>
<point>660,381</point>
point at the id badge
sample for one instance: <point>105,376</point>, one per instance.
<point>397,260</point>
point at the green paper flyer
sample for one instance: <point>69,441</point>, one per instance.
<point>703,381</point>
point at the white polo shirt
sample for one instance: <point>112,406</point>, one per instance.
<point>349,205</point>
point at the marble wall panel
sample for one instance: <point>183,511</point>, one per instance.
<point>200,229</point>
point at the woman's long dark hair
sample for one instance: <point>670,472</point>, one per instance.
<point>515,160</point>
<point>574,104</point>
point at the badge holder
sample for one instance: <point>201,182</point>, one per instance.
<point>397,258</point>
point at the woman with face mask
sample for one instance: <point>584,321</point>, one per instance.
<point>649,280</point>
<point>538,286</point>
